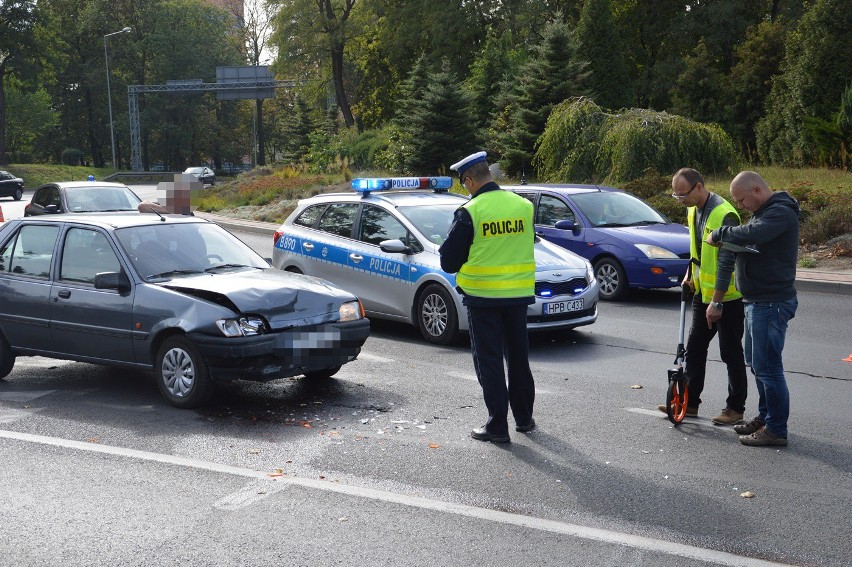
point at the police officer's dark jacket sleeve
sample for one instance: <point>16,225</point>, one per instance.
<point>456,247</point>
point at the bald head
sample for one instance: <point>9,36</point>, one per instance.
<point>749,190</point>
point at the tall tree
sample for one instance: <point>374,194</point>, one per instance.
<point>697,93</point>
<point>18,19</point>
<point>609,83</point>
<point>553,73</point>
<point>495,63</point>
<point>311,34</point>
<point>816,69</point>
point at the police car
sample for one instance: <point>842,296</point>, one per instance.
<point>380,242</point>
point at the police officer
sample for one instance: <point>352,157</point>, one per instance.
<point>490,247</point>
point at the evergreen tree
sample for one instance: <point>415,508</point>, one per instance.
<point>295,132</point>
<point>757,59</point>
<point>697,91</point>
<point>816,69</point>
<point>553,73</point>
<point>609,82</point>
<point>438,124</point>
<point>494,64</point>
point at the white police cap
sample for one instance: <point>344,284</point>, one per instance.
<point>461,166</point>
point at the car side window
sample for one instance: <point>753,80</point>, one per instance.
<point>32,251</point>
<point>309,216</point>
<point>47,196</point>
<point>339,219</point>
<point>551,210</point>
<point>84,254</point>
<point>377,225</point>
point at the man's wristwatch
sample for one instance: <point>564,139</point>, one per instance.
<point>716,305</point>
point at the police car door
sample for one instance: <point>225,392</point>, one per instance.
<point>381,279</point>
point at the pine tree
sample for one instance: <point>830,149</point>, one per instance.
<point>609,82</point>
<point>552,74</point>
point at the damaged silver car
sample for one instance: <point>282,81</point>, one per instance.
<point>175,294</point>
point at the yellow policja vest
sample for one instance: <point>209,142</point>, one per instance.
<point>501,262</point>
<point>705,279</point>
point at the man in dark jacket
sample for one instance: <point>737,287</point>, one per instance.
<point>765,279</point>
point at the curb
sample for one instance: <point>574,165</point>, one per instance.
<point>839,283</point>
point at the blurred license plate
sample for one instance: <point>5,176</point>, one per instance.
<point>563,307</point>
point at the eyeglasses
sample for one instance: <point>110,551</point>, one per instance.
<point>685,195</point>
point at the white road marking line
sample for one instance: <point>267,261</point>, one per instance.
<point>373,357</point>
<point>473,377</point>
<point>541,524</point>
<point>24,396</point>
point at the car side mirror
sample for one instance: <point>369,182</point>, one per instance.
<point>566,225</point>
<point>52,209</point>
<point>394,246</point>
<point>112,280</point>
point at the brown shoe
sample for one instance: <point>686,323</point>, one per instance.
<point>690,411</point>
<point>728,417</point>
<point>763,438</point>
<point>750,427</point>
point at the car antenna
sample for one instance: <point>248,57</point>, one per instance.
<point>523,177</point>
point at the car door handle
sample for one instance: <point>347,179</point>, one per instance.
<point>64,294</point>
<point>307,246</point>
<point>356,257</point>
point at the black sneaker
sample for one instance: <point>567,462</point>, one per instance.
<point>750,427</point>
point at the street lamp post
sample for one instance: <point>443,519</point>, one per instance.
<point>109,95</point>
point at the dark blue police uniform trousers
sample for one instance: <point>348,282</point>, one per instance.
<point>496,332</point>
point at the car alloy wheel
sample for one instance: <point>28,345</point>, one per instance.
<point>611,278</point>
<point>18,194</point>
<point>436,315</point>
<point>182,375</point>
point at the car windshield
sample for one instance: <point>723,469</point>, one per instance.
<point>616,209</point>
<point>432,221</point>
<point>92,199</point>
<point>165,250</point>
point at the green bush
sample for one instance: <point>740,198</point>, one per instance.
<point>825,224</point>
<point>584,142</point>
<point>364,148</point>
<point>71,156</point>
<point>20,157</point>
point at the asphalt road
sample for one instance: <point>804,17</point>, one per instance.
<point>375,466</point>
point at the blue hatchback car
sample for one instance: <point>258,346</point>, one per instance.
<point>629,243</point>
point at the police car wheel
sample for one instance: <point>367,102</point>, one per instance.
<point>320,374</point>
<point>182,374</point>
<point>612,279</point>
<point>18,194</point>
<point>436,315</point>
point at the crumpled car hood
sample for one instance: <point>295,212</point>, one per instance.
<point>282,298</point>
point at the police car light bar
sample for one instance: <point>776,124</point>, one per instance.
<point>367,184</point>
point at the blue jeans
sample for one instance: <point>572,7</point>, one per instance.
<point>765,327</point>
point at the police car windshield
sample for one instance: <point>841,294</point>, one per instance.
<point>431,221</point>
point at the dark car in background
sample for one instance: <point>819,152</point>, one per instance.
<point>174,294</point>
<point>629,243</point>
<point>202,174</point>
<point>11,185</point>
<point>81,197</point>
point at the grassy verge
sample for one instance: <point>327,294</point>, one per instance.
<point>36,174</point>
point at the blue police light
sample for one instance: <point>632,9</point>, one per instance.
<point>545,293</point>
<point>367,184</point>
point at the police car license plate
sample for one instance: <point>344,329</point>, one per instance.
<point>558,307</point>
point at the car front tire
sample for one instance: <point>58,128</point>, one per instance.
<point>436,316</point>
<point>19,193</point>
<point>612,279</point>
<point>182,374</point>
<point>7,357</point>
<point>321,374</point>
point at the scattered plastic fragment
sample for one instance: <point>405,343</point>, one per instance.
<point>636,387</point>
<point>434,446</point>
<point>747,494</point>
